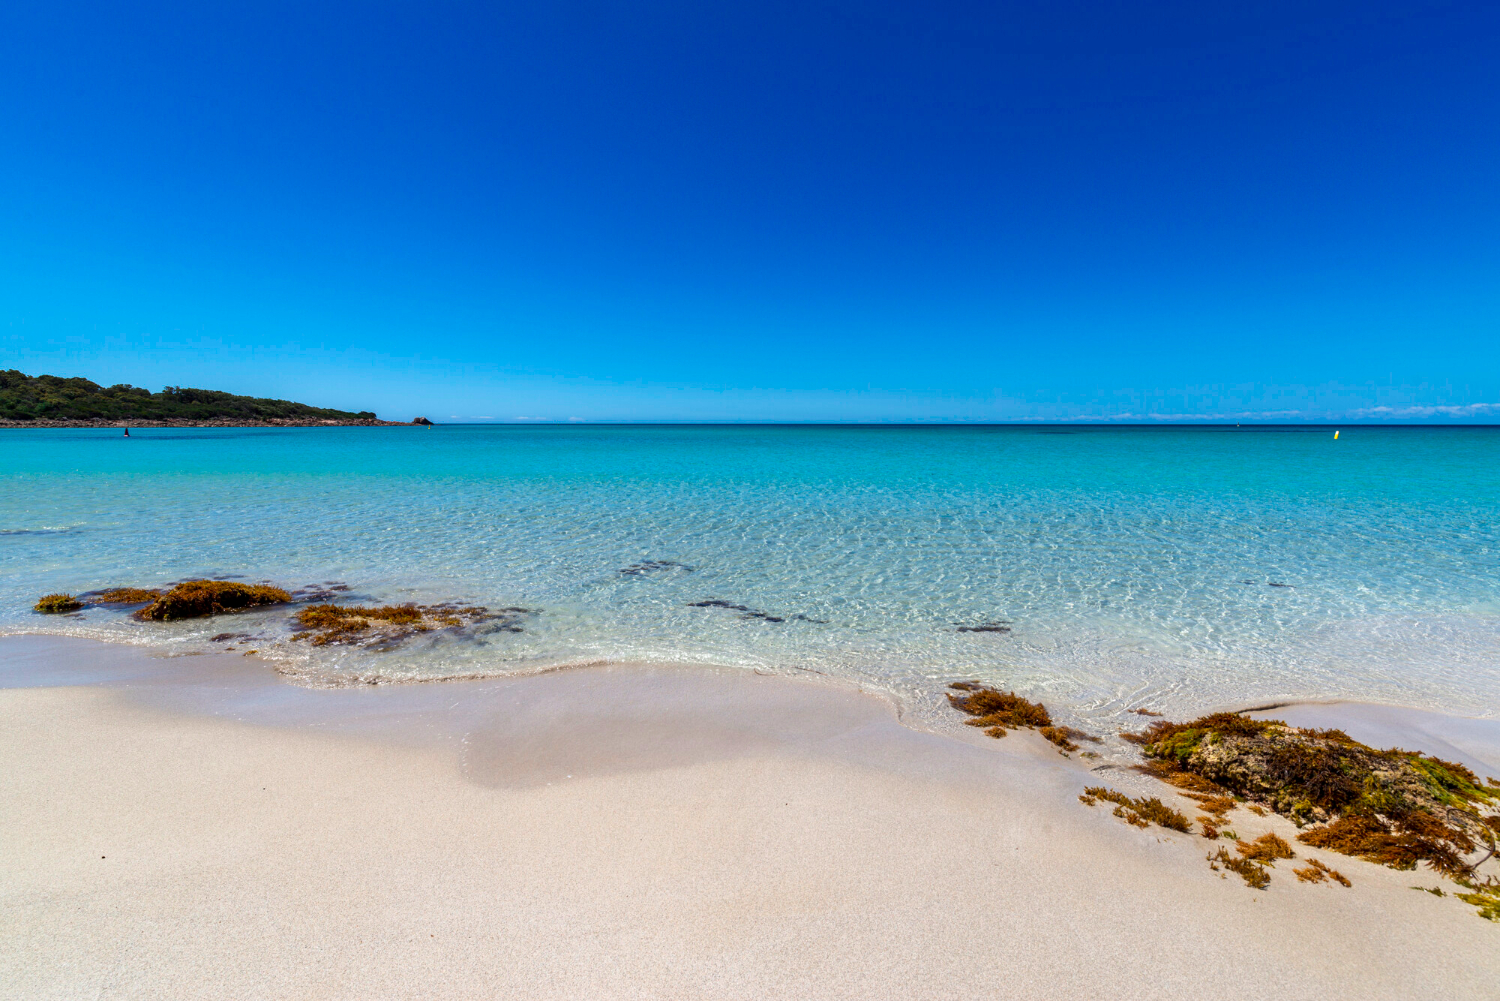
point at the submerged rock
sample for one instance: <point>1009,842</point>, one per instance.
<point>653,566</point>
<point>385,625</point>
<point>197,599</point>
<point>57,604</point>
<point>125,596</point>
<point>984,627</point>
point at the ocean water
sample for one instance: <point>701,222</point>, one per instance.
<point>1176,569</point>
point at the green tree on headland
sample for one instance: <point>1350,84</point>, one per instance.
<point>51,397</point>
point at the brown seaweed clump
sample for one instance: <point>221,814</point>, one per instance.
<point>1317,872</point>
<point>324,624</point>
<point>195,599</point>
<point>57,604</point>
<point>1254,875</point>
<point>1139,812</point>
<point>997,711</point>
<point>1064,736</point>
<point>1266,849</point>
<point>1393,807</point>
<point>126,596</point>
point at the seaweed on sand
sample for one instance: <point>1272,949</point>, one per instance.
<point>1064,736</point>
<point>1255,876</point>
<point>1266,849</point>
<point>1139,812</point>
<point>1393,807</point>
<point>195,599</point>
<point>1484,895</point>
<point>324,624</point>
<point>995,710</point>
<point>57,604</point>
<point>1317,872</point>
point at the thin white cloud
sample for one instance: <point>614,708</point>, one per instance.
<point>1456,410</point>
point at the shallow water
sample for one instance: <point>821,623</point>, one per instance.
<point>1176,569</point>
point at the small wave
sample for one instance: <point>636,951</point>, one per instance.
<point>37,531</point>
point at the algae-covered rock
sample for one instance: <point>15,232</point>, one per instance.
<point>1393,807</point>
<point>57,604</point>
<point>125,596</point>
<point>386,624</point>
<point>196,599</point>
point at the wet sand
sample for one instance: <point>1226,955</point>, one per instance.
<point>195,827</point>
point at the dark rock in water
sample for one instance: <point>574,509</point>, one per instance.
<point>1274,584</point>
<point>653,566</point>
<point>799,617</point>
<point>226,637</point>
<point>984,627</point>
<point>718,603</point>
<point>317,593</point>
<point>386,626</point>
<point>421,420</point>
<point>746,610</point>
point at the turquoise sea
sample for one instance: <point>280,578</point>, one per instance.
<point>1170,568</point>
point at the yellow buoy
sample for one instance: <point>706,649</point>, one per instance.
<point>1335,436</point>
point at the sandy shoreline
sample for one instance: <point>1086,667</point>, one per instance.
<point>195,827</point>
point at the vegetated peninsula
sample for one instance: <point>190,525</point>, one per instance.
<point>52,401</point>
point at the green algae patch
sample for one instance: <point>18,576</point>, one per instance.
<point>56,604</point>
<point>321,625</point>
<point>1392,807</point>
<point>1486,898</point>
<point>196,599</point>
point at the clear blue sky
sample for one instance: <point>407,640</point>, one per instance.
<point>811,210</point>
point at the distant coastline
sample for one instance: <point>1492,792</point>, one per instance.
<point>219,422</point>
<point>50,401</point>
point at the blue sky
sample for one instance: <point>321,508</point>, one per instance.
<point>807,211</point>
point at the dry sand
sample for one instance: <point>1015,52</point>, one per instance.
<point>194,828</point>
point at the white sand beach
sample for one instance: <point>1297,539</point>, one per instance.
<point>197,828</point>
